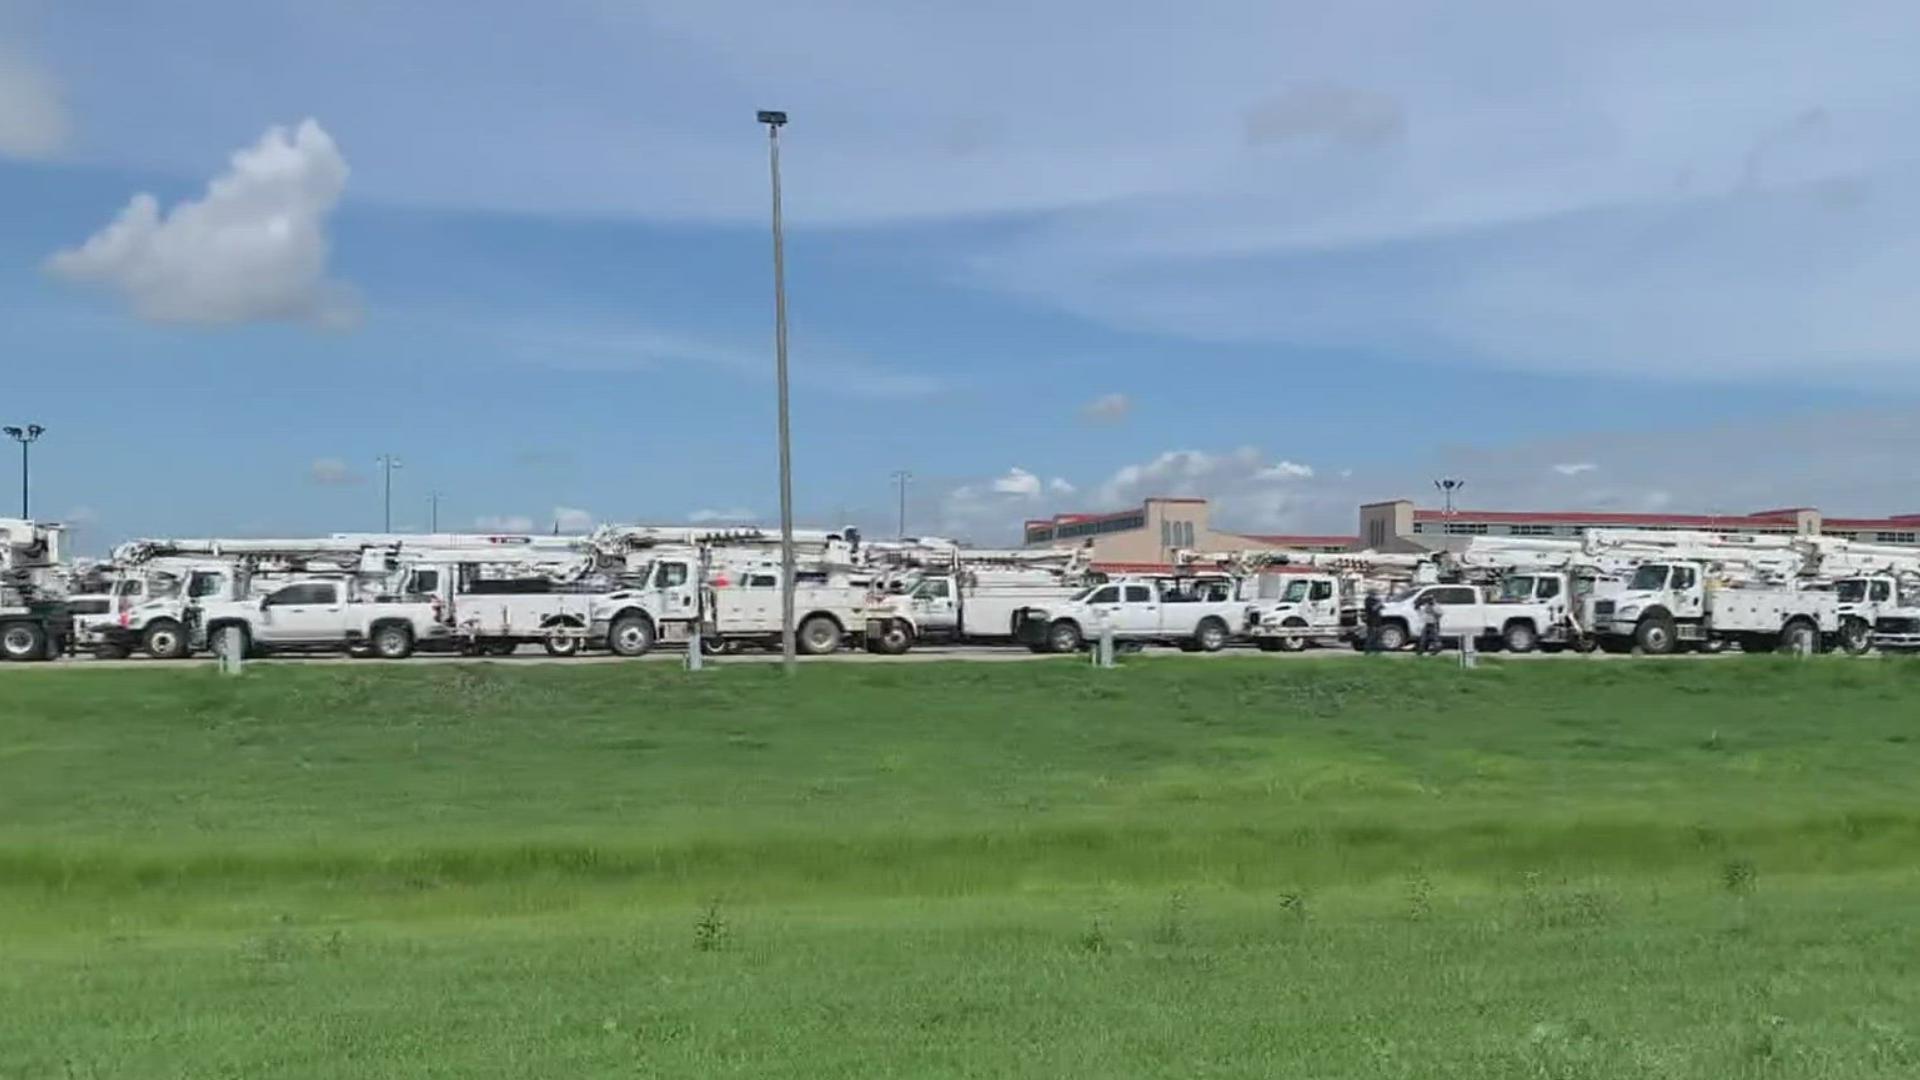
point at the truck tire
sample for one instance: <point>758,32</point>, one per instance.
<point>1211,635</point>
<point>1856,637</point>
<point>819,636</point>
<point>1293,642</point>
<point>164,639</point>
<point>630,635</point>
<point>1391,636</point>
<point>894,640</point>
<point>1063,637</point>
<point>393,641</point>
<point>561,646</point>
<point>1520,637</point>
<point>1655,636</point>
<point>1800,636</point>
<point>23,641</point>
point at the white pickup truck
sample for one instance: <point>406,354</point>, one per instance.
<point>327,614</point>
<point>1465,613</point>
<point>1196,614</point>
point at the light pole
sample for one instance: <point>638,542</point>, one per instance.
<point>25,436</point>
<point>387,463</point>
<point>1447,486</point>
<point>775,120</point>
<point>433,512</point>
<point>901,477</point>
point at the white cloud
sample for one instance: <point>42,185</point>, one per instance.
<point>1018,481</point>
<point>572,519</point>
<point>252,249</point>
<point>1108,408</point>
<point>332,472</point>
<point>1575,468</point>
<point>730,515</point>
<point>1059,486</point>
<point>33,118</point>
<point>504,523</point>
<point>1285,470</point>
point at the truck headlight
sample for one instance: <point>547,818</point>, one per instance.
<point>1627,612</point>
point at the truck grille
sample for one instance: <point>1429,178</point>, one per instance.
<point>1602,608</point>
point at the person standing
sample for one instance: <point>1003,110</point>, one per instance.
<point>1429,624</point>
<point>1370,620</point>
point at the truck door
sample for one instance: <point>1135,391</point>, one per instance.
<point>307,611</point>
<point>675,589</point>
<point>1323,606</point>
<point>1461,612</point>
<point>1139,611</point>
<point>1689,598</point>
<point>936,606</point>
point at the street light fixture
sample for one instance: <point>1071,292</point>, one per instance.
<point>775,120</point>
<point>25,436</point>
<point>1447,486</point>
<point>388,463</point>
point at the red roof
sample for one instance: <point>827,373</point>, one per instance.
<point>1760,519</point>
<point>1589,517</point>
<point>1297,539</point>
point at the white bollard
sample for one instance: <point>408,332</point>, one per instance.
<point>694,658</point>
<point>232,650</point>
<point>1103,650</point>
<point>1469,656</point>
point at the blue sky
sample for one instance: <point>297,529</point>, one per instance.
<point>1286,258</point>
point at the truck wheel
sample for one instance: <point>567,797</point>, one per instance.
<point>630,635</point>
<point>1856,637</point>
<point>1211,636</point>
<point>1294,642</point>
<point>23,641</point>
<point>561,646</point>
<point>165,640</point>
<point>393,641</point>
<point>1585,643</point>
<point>1392,637</point>
<point>1063,637</point>
<point>1655,636</point>
<point>1520,637</point>
<point>895,640</point>
<point>819,636</point>
<point>1800,637</point>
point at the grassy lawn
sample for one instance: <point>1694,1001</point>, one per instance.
<point>1234,867</point>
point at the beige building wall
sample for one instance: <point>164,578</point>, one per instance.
<point>1388,526</point>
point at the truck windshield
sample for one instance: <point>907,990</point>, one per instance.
<point>1296,592</point>
<point>1648,578</point>
<point>1852,590</point>
<point>930,589</point>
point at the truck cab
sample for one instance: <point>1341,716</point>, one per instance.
<point>1304,608</point>
<point>1875,612</point>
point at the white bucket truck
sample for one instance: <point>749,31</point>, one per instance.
<point>970,595</point>
<point>34,620</point>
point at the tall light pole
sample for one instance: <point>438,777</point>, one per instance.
<point>901,477</point>
<point>775,120</point>
<point>1447,486</point>
<point>25,436</point>
<point>387,463</point>
<point>433,511</point>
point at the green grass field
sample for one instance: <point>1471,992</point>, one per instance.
<point>1233,867</point>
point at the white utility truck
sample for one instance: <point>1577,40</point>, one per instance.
<point>34,621</point>
<point>1198,614</point>
<point>1878,589</point>
<point>728,584</point>
<point>1709,590</point>
<point>1317,598</point>
<point>973,595</point>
